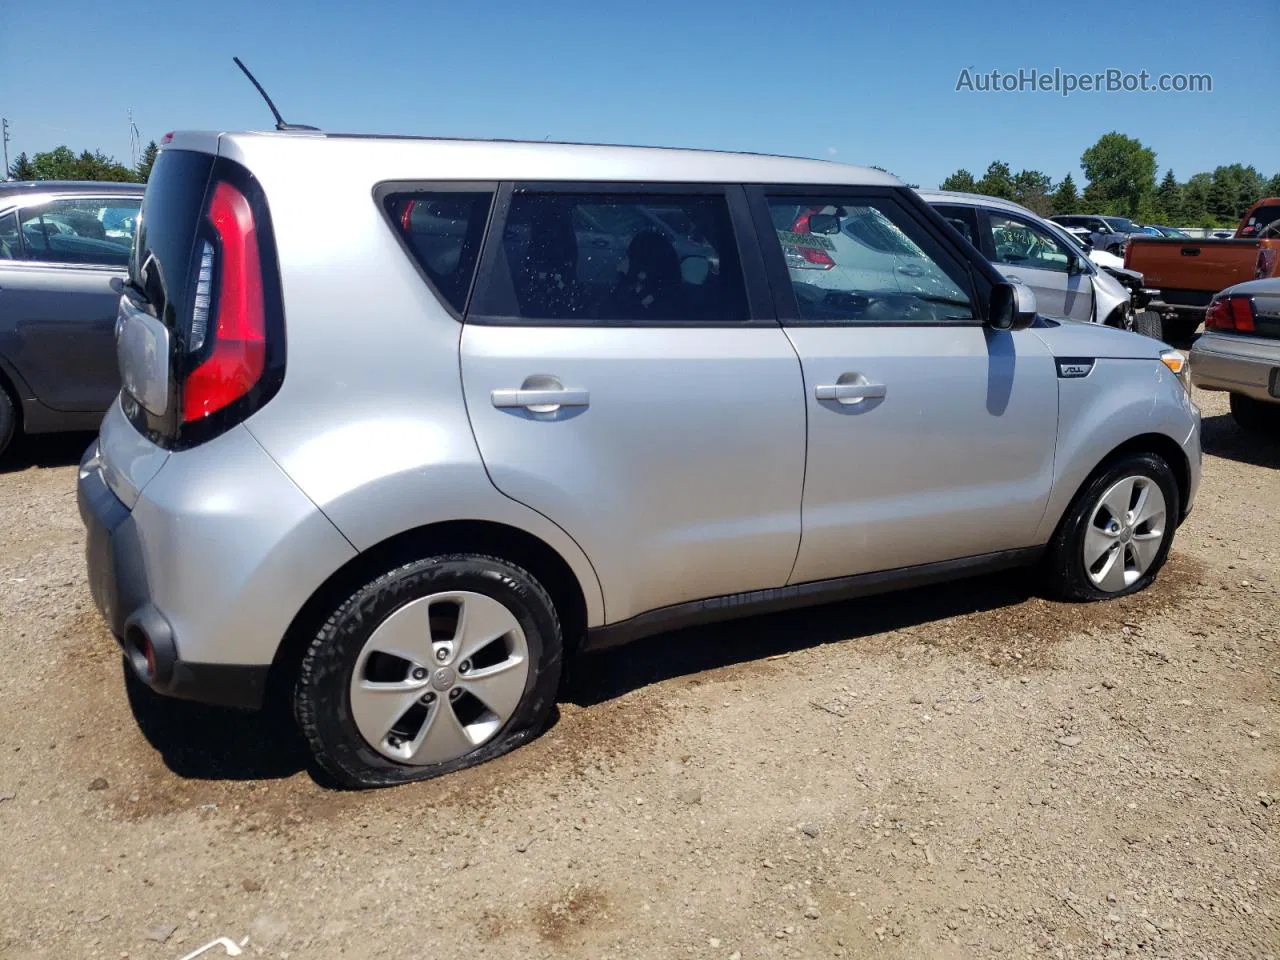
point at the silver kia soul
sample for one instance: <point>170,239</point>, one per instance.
<point>407,422</point>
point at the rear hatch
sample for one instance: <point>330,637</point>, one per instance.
<point>200,335</point>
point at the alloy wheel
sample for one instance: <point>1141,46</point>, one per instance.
<point>1125,531</point>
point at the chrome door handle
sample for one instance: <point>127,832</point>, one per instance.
<point>540,401</point>
<point>849,391</point>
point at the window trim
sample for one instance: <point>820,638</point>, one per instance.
<point>385,188</point>
<point>63,264</point>
<point>758,296</point>
<point>904,200</point>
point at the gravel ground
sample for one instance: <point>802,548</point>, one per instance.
<point>965,771</point>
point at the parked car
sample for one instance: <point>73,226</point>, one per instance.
<point>62,247</point>
<point>1239,352</point>
<point>401,488</point>
<point>1172,232</point>
<point>1028,249</point>
<point>1189,273</point>
<point>1108,233</point>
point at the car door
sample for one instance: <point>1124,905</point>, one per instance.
<point>57,300</point>
<point>1027,253</point>
<point>650,406</point>
<point>931,436</point>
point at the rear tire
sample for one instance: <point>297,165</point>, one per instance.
<point>8,420</point>
<point>476,664</point>
<point>1149,324</point>
<point>1255,415</point>
<point>1099,551</point>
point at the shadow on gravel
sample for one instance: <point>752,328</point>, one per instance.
<point>217,743</point>
<point>1221,436</point>
<point>45,450</point>
<point>599,677</point>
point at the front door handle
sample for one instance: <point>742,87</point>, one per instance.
<point>849,392</point>
<point>540,401</point>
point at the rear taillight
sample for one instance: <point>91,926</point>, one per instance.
<point>813,259</point>
<point>1266,263</point>
<point>1230,313</point>
<point>231,314</point>
<point>1128,256</point>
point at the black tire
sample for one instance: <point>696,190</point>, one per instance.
<point>1065,576</point>
<point>1149,324</point>
<point>8,420</point>
<point>322,700</point>
<point>1115,250</point>
<point>1255,415</point>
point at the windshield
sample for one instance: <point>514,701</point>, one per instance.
<point>1121,225</point>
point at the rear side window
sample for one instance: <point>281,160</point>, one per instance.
<point>615,258</point>
<point>443,231</point>
<point>81,230</point>
<point>1265,221</point>
<point>10,247</point>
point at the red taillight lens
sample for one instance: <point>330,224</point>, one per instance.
<point>239,331</point>
<point>1230,313</point>
<point>818,258</point>
<point>1266,263</point>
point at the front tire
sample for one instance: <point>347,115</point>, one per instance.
<point>437,665</point>
<point>8,420</point>
<point>1117,532</point>
<point>1255,415</point>
<point>1149,324</point>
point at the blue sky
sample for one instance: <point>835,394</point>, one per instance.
<point>869,83</point>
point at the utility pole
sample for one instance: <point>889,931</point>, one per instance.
<point>5,122</point>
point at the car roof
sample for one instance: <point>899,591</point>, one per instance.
<point>78,188</point>
<point>976,199</point>
<point>409,158</point>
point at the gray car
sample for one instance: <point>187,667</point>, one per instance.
<point>1108,233</point>
<point>64,248</point>
<point>1040,253</point>
<point>1239,352</point>
<point>398,474</point>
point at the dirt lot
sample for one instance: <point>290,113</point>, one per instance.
<point>960,772</point>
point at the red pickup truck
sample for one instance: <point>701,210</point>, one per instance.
<point>1187,273</point>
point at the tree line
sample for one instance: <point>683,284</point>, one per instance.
<point>1121,182</point>
<point>61,163</point>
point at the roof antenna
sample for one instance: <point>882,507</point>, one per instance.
<point>280,124</point>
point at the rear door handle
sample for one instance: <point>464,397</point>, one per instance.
<point>540,401</point>
<point>849,391</point>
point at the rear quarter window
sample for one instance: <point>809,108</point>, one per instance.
<point>443,232</point>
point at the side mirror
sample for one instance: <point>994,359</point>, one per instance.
<point>1075,265</point>
<point>825,223</point>
<point>1012,307</point>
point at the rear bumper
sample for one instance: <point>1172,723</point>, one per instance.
<point>118,582</point>
<point>1237,364</point>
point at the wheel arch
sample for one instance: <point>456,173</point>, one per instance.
<point>1159,444</point>
<point>451,536</point>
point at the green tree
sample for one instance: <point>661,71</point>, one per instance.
<point>997,181</point>
<point>1031,188</point>
<point>1273,186</point>
<point>21,168</point>
<point>1195,201</point>
<point>961,181</point>
<point>1066,199</point>
<point>1224,194</point>
<point>143,170</point>
<point>1169,199</point>
<point>61,164</point>
<point>1122,170</point>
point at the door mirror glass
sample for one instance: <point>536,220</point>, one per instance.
<point>1012,306</point>
<point>827,224</point>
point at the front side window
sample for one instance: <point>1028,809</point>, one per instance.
<point>443,230</point>
<point>82,230</point>
<point>616,258</point>
<point>10,247</point>
<point>1020,244</point>
<point>962,219</point>
<point>866,261</point>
